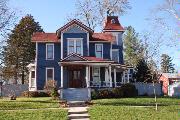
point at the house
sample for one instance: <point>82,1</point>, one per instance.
<point>168,79</point>
<point>79,59</point>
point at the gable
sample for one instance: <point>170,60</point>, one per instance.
<point>75,29</point>
<point>72,23</point>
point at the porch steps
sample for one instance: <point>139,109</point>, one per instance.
<point>78,113</point>
<point>76,103</point>
<point>74,94</point>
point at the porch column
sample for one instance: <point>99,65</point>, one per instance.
<point>62,76</point>
<point>115,77</point>
<point>106,76</point>
<point>87,76</point>
<point>110,78</point>
<point>123,77</point>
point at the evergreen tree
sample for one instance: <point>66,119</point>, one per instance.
<point>143,73</point>
<point>133,50</point>
<point>20,51</point>
<point>166,64</point>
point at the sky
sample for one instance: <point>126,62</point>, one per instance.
<point>52,14</point>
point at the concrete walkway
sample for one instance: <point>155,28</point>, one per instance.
<point>78,111</point>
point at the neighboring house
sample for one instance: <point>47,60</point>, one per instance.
<point>77,57</point>
<point>168,79</point>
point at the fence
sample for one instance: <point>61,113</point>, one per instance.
<point>148,88</point>
<point>174,90</point>
<point>13,89</point>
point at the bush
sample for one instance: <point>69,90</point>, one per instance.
<point>129,90</point>
<point>54,93</point>
<point>105,94</point>
<point>126,90</point>
<point>118,92</point>
<point>34,94</point>
<point>94,95</point>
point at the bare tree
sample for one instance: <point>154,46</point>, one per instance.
<point>7,19</point>
<point>94,12</point>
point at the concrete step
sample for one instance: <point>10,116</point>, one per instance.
<point>78,116</point>
<point>76,104</point>
<point>81,119</point>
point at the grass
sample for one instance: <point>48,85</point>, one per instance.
<point>17,110</point>
<point>28,103</point>
<point>128,109</point>
<point>34,115</point>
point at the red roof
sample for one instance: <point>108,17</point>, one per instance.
<point>44,37</point>
<point>112,23</point>
<point>52,37</point>
<point>102,37</point>
<point>95,59</point>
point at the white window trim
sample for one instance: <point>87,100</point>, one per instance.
<point>118,54</point>
<point>102,49</point>
<point>53,50</point>
<point>46,72</point>
<point>74,39</point>
<point>99,73</point>
<point>33,86</point>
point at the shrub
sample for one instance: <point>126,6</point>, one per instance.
<point>105,93</point>
<point>54,93</point>
<point>117,92</point>
<point>129,90</point>
<point>34,94</point>
<point>94,94</point>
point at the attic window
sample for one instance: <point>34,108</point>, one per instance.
<point>113,21</point>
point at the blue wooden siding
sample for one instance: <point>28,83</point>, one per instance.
<point>121,61</point>
<point>75,35</point>
<point>42,63</point>
<point>106,50</point>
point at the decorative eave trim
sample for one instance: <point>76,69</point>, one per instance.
<point>114,30</point>
<point>100,41</point>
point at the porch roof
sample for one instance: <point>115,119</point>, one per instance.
<point>75,59</point>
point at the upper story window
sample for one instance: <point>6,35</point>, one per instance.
<point>49,51</point>
<point>99,50</point>
<point>75,46</point>
<point>115,55</point>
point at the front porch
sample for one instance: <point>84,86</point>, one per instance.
<point>79,74</point>
<point>91,75</point>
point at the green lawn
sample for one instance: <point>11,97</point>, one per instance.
<point>28,103</point>
<point>128,109</point>
<point>17,110</point>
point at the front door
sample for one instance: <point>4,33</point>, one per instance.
<point>75,80</point>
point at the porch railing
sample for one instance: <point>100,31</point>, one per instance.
<point>104,84</point>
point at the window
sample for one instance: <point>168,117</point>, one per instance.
<point>96,74</point>
<point>99,50</point>
<point>49,74</point>
<point>49,51</point>
<point>75,46</point>
<point>113,21</point>
<point>32,78</point>
<point>115,55</point>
